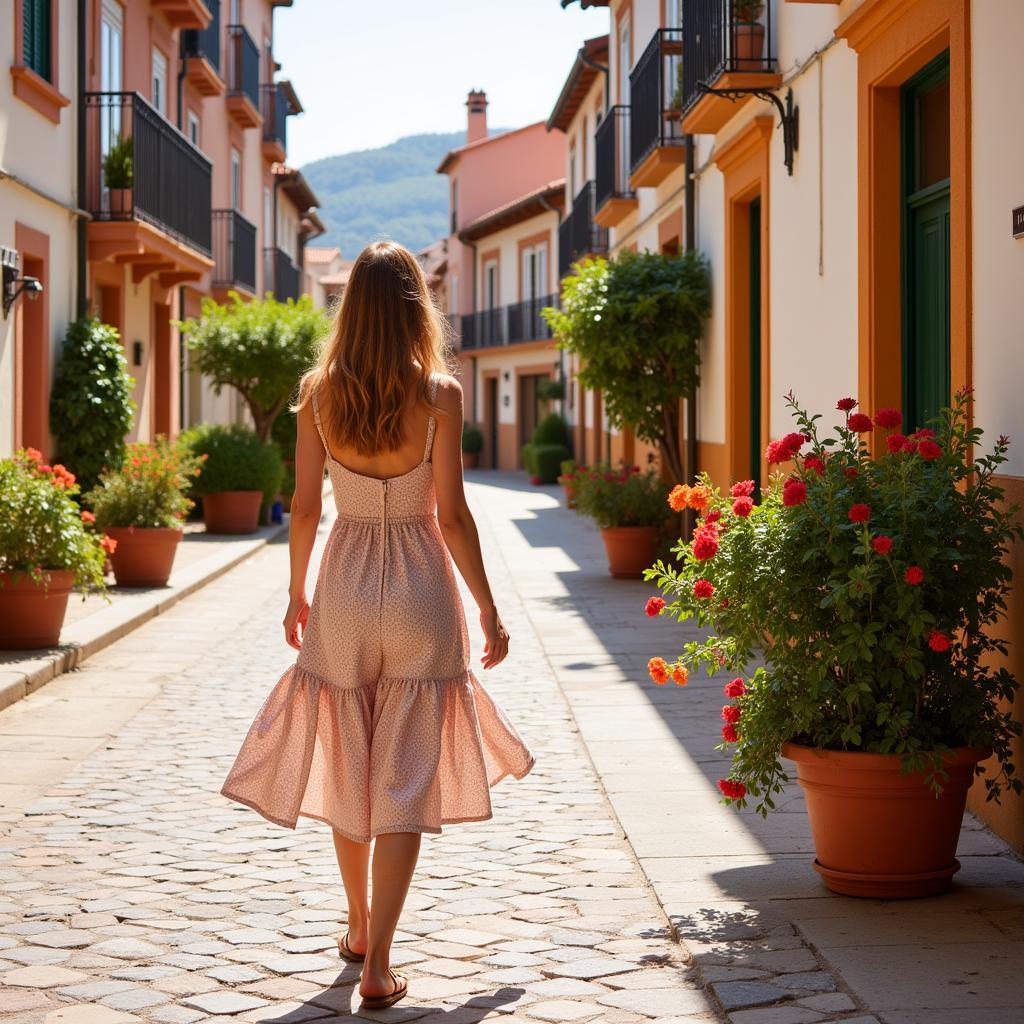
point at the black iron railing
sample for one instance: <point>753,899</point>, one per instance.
<point>506,325</point>
<point>140,167</point>
<point>243,76</point>
<point>525,322</point>
<point>611,142</point>
<point>205,42</point>
<point>275,114</point>
<point>281,275</point>
<point>234,251</point>
<point>485,328</point>
<point>578,235</point>
<point>717,43</point>
<point>655,90</point>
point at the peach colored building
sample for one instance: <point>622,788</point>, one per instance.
<point>328,272</point>
<point>506,196</point>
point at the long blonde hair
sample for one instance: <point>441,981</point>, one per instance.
<point>386,325</point>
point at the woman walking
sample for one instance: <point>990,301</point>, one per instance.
<point>380,729</point>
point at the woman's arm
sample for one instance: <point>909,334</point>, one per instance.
<point>456,521</point>
<point>306,510</point>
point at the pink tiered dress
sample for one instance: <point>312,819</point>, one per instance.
<point>380,726</point>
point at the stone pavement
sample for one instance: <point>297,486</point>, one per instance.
<point>763,933</point>
<point>131,891</point>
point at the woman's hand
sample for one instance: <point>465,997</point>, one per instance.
<point>295,621</point>
<point>495,638</point>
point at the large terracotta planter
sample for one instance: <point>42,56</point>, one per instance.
<point>880,833</point>
<point>144,555</point>
<point>31,613</point>
<point>630,549</point>
<point>747,45</point>
<point>470,460</point>
<point>232,511</point>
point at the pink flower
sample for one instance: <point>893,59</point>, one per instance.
<point>860,423</point>
<point>882,544</point>
<point>859,513</point>
<point>742,489</point>
<point>846,404</point>
<point>735,688</point>
<point>938,641</point>
<point>703,588</point>
<point>794,492</point>
<point>890,419</point>
<point>743,506</point>
<point>914,575</point>
<point>654,606</point>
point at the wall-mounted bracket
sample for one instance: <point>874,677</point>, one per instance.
<point>789,115</point>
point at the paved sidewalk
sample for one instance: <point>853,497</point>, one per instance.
<point>764,933</point>
<point>130,890</point>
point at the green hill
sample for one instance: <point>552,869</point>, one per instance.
<point>390,192</point>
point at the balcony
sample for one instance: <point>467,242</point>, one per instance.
<point>525,322</point>
<point>147,191</point>
<point>243,67</point>
<point>234,252</point>
<point>722,51</point>
<point>281,276</point>
<point>507,325</point>
<point>275,122</point>
<point>656,136</point>
<point>184,13</point>
<point>579,236</point>
<point>614,199</point>
<point>203,57</point>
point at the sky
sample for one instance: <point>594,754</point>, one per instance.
<point>371,71</point>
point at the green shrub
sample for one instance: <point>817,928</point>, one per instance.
<point>548,459</point>
<point>91,405</point>
<point>472,439</point>
<point>551,430</point>
<point>118,166</point>
<point>529,454</point>
<point>551,390</point>
<point>621,497</point>
<point>236,460</point>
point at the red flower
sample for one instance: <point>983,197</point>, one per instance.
<point>735,688</point>
<point>703,588</point>
<point>731,713</point>
<point>108,544</point>
<point>914,575</point>
<point>850,472</point>
<point>658,670</point>
<point>882,544</point>
<point>729,733</point>
<point>705,542</point>
<point>896,442</point>
<point>88,517</point>
<point>34,454</point>
<point>860,423</point>
<point>45,469</point>
<point>794,492</point>
<point>888,418</point>
<point>846,404</point>
<point>712,515</point>
<point>742,507</point>
<point>928,450</point>
<point>654,606</point>
<point>742,489</point>
<point>785,448</point>
<point>859,513</point>
<point>938,641</point>
<point>731,789</point>
<point>922,433</point>
<point>813,462</point>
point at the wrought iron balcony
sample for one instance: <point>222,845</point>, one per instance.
<point>656,136</point>
<point>613,196</point>
<point>139,167</point>
<point>724,48</point>
<point>274,108</point>
<point>234,251</point>
<point>507,325</point>
<point>525,322</point>
<point>579,235</point>
<point>243,77</point>
<point>204,43</point>
<point>281,275</point>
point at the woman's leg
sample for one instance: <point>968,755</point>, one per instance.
<point>394,861</point>
<point>353,861</point>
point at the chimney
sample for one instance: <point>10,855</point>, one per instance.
<point>476,121</point>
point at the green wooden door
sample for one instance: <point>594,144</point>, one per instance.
<point>926,290</point>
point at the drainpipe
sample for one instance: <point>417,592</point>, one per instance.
<point>690,235</point>
<point>182,71</point>
<point>81,269</point>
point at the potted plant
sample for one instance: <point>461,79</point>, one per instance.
<point>547,449</point>
<point>142,505</point>
<point>472,445</point>
<point>747,34</point>
<point>119,174</point>
<point>872,585</point>
<point>629,508</point>
<point>46,549</point>
<point>568,478</point>
<point>240,474</point>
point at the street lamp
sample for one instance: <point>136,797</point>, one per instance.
<point>13,285</point>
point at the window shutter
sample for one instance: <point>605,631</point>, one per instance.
<point>36,36</point>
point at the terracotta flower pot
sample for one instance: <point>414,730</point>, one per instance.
<point>747,45</point>
<point>536,480</point>
<point>232,511</point>
<point>570,495</point>
<point>630,549</point>
<point>470,460</point>
<point>880,833</point>
<point>144,555</point>
<point>32,613</point>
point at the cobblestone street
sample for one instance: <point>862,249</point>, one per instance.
<point>132,891</point>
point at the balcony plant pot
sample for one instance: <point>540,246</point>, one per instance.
<point>232,511</point>
<point>470,460</point>
<point>32,611</point>
<point>119,200</point>
<point>747,45</point>
<point>630,549</point>
<point>877,832</point>
<point>144,554</point>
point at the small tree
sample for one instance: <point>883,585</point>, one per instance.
<point>261,349</point>
<point>91,405</point>
<point>635,322</point>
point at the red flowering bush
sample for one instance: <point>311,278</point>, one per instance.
<point>870,590</point>
<point>41,526</point>
<point>621,497</point>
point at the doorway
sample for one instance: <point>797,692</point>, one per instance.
<point>163,371</point>
<point>754,341</point>
<point>491,420</point>
<point>529,404</point>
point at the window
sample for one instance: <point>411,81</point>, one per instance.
<point>490,284</point>
<point>455,206</point>
<point>268,217</point>
<point>453,294</point>
<point>37,37</point>
<point>583,148</point>
<point>535,272</point>
<point>624,58</point>
<point>236,179</point>
<point>572,169</point>
<point>159,93</point>
<point>193,128</point>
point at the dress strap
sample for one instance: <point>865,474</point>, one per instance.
<point>432,422</point>
<point>319,426</point>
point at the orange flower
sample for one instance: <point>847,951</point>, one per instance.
<point>658,669</point>
<point>108,544</point>
<point>679,675</point>
<point>679,497</point>
<point>699,497</point>
<point>34,454</point>
<point>88,517</point>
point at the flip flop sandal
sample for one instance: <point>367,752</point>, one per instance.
<point>346,952</point>
<point>382,1002</point>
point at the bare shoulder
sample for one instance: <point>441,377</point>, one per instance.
<point>449,393</point>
